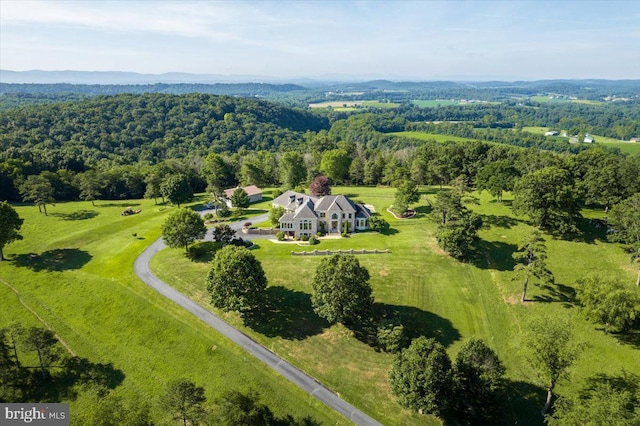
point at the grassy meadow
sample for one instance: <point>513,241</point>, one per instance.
<point>435,296</point>
<point>74,268</point>
<point>351,105</point>
<point>430,136</point>
<point>627,147</point>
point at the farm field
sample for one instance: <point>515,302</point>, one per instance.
<point>74,268</point>
<point>434,103</point>
<point>545,99</point>
<point>627,147</point>
<point>351,105</point>
<point>430,136</point>
<point>435,296</point>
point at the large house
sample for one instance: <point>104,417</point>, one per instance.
<point>307,215</point>
<point>254,193</point>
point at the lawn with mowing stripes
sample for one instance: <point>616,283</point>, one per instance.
<point>435,296</point>
<point>75,269</point>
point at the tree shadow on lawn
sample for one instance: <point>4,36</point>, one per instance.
<point>287,313</point>
<point>494,255</point>
<point>557,293</point>
<point>74,373</point>
<point>525,401</point>
<point>422,211</point>
<point>625,381</point>
<point>630,338</point>
<point>78,215</point>
<point>491,220</point>
<point>118,205</point>
<point>417,322</point>
<point>591,230</point>
<point>203,251</point>
<point>53,260</point>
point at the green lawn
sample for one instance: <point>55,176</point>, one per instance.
<point>75,269</point>
<point>435,296</point>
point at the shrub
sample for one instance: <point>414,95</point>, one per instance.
<point>208,216</point>
<point>391,337</point>
<point>276,193</point>
<point>280,236</point>
<point>313,241</point>
<point>345,229</point>
<point>378,224</point>
<point>305,238</point>
<point>224,211</point>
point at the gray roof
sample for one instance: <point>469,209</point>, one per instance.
<point>362,212</point>
<point>290,200</point>
<point>287,217</point>
<point>305,211</point>
<point>335,203</point>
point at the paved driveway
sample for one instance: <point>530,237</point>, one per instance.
<point>291,373</point>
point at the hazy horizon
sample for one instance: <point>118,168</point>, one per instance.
<point>414,40</point>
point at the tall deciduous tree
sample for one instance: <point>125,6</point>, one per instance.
<point>496,178</point>
<point>421,377</point>
<point>550,198</point>
<point>217,173</point>
<point>240,198</point>
<point>406,194</point>
<point>448,205</point>
<point>90,187</point>
<point>37,189</point>
<point>184,400</point>
<point>335,164</point>
<point>182,228</point>
<point>552,350</point>
<point>292,169</point>
<point>531,261</point>
<point>10,224</point>
<point>236,280</point>
<point>177,189</point>
<point>625,223</point>
<point>320,186</point>
<point>608,302</point>
<point>237,408</point>
<point>458,226</point>
<point>341,290</point>
<point>478,382</point>
<point>275,214</point>
<point>614,402</point>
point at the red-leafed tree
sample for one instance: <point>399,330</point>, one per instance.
<point>320,186</point>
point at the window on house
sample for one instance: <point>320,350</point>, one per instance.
<point>322,214</point>
<point>349,215</point>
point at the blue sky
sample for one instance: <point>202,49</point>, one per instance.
<point>397,39</point>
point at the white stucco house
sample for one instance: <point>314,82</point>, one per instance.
<point>306,214</point>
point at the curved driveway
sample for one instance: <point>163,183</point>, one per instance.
<point>291,373</point>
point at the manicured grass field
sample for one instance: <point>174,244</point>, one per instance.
<point>628,147</point>
<point>435,296</point>
<point>75,269</point>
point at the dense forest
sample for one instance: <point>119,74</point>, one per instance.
<point>125,143</point>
